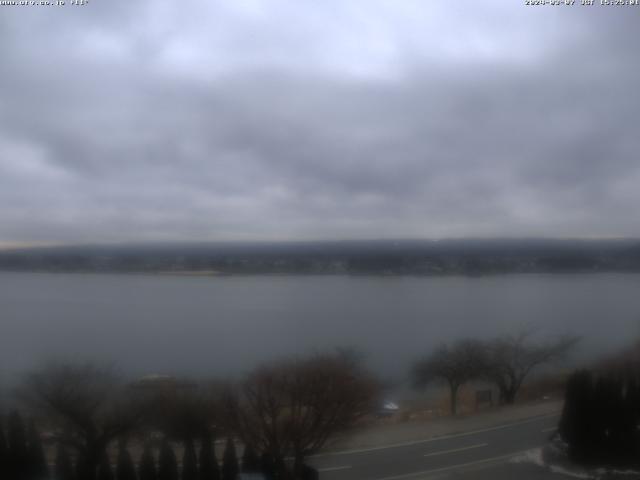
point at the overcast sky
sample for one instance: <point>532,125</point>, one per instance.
<point>336,119</point>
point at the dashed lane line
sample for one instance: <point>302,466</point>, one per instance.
<point>452,467</point>
<point>436,439</point>
<point>454,450</point>
<point>334,469</point>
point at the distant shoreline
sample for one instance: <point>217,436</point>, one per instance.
<point>219,274</point>
<point>377,258</point>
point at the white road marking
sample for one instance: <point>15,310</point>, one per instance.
<point>546,430</point>
<point>454,450</point>
<point>333,469</point>
<point>434,439</point>
<point>453,467</point>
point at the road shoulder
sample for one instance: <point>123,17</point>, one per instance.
<point>379,436</point>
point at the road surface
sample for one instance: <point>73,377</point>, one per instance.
<point>486,452</point>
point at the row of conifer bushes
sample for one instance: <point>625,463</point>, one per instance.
<point>22,457</point>
<point>601,418</point>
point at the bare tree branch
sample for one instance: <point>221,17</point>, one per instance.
<point>510,359</point>
<point>456,365</point>
<point>291,409</point>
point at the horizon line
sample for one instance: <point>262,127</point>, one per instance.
<point>18,246</point>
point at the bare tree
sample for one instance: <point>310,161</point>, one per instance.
<point>454,364</point>
<point>88,405</point>
<point>187,414</point>
<point>291,409</point>
<point>510,359</point>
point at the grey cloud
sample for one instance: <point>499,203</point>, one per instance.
<point>131,127</point>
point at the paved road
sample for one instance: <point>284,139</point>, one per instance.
<point>456,455</point>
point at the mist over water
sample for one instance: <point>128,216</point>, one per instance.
<point>208,326</point>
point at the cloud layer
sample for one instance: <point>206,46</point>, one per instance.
<point>137,121</point>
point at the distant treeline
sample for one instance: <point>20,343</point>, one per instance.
<point>467,257</point>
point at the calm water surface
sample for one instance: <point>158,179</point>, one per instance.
<point>213,326</point>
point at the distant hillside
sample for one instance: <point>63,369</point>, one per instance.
<point>403,257</point>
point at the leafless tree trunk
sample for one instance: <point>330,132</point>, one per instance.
<point>456,364</point>
<point>291,409</point>
<point>511,359</point>
<point>88,405</point>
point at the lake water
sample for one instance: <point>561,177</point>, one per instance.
<point>219,326</point>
